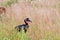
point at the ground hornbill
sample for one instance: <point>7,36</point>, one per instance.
<point>25,26</point>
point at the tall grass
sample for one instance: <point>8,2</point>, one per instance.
<point>6,34</point>
<point>45,21</point>
<point>8,3</point>
<point>51,36</point>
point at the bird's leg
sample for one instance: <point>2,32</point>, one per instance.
<point>25,30</point>
<point>19,30</point>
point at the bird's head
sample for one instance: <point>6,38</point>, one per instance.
<point>27,20</point>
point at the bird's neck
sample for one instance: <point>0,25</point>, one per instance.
<point>26,23</point>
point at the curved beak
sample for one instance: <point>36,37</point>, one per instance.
<point>30,21</point>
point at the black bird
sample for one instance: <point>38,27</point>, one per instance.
<point>25,26</point>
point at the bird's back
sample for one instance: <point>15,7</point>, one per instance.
<point>24,26</point>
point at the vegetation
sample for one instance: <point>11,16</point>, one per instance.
<point>45,22</point>
<point>8,2</point>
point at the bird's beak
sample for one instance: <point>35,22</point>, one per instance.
<point>30,21</point>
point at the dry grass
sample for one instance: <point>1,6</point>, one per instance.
<point>45,16</point>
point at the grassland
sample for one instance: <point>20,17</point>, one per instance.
<point>45,16</point>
